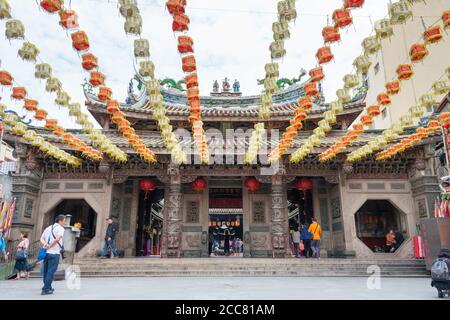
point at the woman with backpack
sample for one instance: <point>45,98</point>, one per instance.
<point>22,255</point>
<point>306,240</point>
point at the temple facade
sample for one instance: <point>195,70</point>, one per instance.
<point>355,203</point>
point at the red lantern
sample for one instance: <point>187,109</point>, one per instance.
<point>316,74</point>
<point>305,102</point>
<point>68,19</point>
<point>180,22</point>
<point>189,64</point>
<point>80,41</point>
<point>175,6</point>
<point>324,55</point>
<point>117,117</point>
<point>252,184</point>
<point>51,6</point>
<point>238,223</point>
<point>310,89</point>
<point>104,93</point>
<point>432,35</point>
<point>30,105</point>
<point>51,124</point>
<point>446,19</point>
<point>300,114</point>
<point>147,185</point>
<point>40,114</point>
<point>331,34</point>
<point>404,71</point>
<point>199,184</point>
<point>393,87</point>
<point>353,3</point>
<point>383,99</point>
<point>342,18</point>
<point>97,78</point>
<point>373,111</point>
<point>367,120</point>
<point>191,80</point>
<point>346,140</point>
<point>417,52</point>
<point>185,44</point>
<point>59,131</point>
<point>89,61</point>
<point>6,78</point>
<point>19,93</point>
<point>112,106</point>
<point>304,184</point>
<point>358,128</point>
<point>193,94</point>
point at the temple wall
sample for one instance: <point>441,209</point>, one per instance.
<point>257,226</point>
<point>194,224</point>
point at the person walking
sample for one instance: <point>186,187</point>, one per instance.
<point>21,264</point>
<point>3,256</point>
<point>306,239</point>
<point>316,232</point>
<point>296,241</point>
<point>390,241</point>
<point>52,240</point>
<point>110,237</point>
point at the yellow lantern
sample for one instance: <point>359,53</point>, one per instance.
<point>133,25</point>
<point>324,125</point>
<point>2,110</point>
<point>277,50</point>
<point>383,28</point>
<point>37,141</point>
<point>152,87</point>
<point>14,29</point>
<point>416,111</point>
<point>19,129</point>
<point>406,120</point>
<point>43,71</point>
<point>272,70</point>
<point>5,10</point>
<point>315,140</point>
<point>29,135</point>
<point>362,64</point>
<point>29,51</point>
<point>399,12</point>
<point>381,141</point>
<point>53,84</point>
<point>350,81</point>
<point>330,117</point>
<point>62,98</point>
<point>336,106</point>
<point>427,100</point>
<point>343,95</point>
<point>441,87</point>
<point>397,128</point>
<point>10,119</point>
<point>128,8</point>
<point>388,135</point>
<point>141,48</point>
<point>147,69</point>
<point>286,10</point>
<point>371,45</point>
<point>270,85</point>
<point>319,133</point>
<point>280,30</point>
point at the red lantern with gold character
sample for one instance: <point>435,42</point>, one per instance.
<point>40,114</point>
<point>432,35</point>
<point>199,184</point>
<point>89,61</point>
<point>18,93</point>
<point>193,94</point>
<point>189,64</point>
<point>180,22</point>
<point>300,114</point>
<point>393,87</point>
<point>373,111</point>
<point>305,102</point>
<point>191,80</point>
<point>358,128</point>
<point>404,71</point>
<point>417,52</point>
<point>51,124</point>
<point>252,184</point>
<point>59,131</point>
<point>367,120</point>
<point>104,93</point>
<point>304,184</point>
<point>194,106</point>
<point>112,106</point>
<point>185,44</point>
<point>80,41</point>
<point>97,78</point>
<point>68,19</point>
<point>342,18</point>
<point>324,55</point>
<point>147,185</point>
<point>51,6</point>
<point>316,74</point>
<point>446,19</point>
<point>331,34</point>
<point>175,6</point>
<point>353,3</point>
<point>311,89</point>
<point>30,104</point>
<point>383,99</point>
<point>6,78</point>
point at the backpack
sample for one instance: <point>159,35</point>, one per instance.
<point>440,270</point>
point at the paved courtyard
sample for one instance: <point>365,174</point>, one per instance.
<point>282,288</point>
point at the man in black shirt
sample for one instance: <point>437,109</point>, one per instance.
<point>110,239</point>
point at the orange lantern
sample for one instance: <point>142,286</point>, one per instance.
<point>352,135</point>
<point>446,19</point>
<point>404,71</point>
<point>89,61</point>
<point>58,131</point>
<point>316,74</point>
<point>80,41</point>
<point>331,34</point>
<point>342,18</point>
<point>191,80</point>
<point>185,44</point>
<point>117,117</point>
<point>422,132</point>
<point>416,138</point>
<point>97,78</point>
<point>129,133</point>
<point>180,22</point>
<point>68,19</point>
<point>300,114</point>
<point>346,140</point>
<point>193,94</point>
<point>407,142</point>
<point>104,93</point>
<point>175,6</point>
<point>40,114</point>
<point>30,105</point>
<point>296,123</point>
<point>6,78</point>
<point>310,89</point>
<point>51,6</point>
<point>353,3</point>
<point>417,52</point>
<point>432,35</point>
<point>189,64</point>
<point>366,120</point>
<point>373,111</point>
<point>393,87</point>
<point>51,124</point>
<point>358,128</point>
<point>383,99</point>
<point>324,55</point>
<point>305,102</point>
<point>67,138</point>
<point>19,93</point>
<point>194,106</point>
<point>112,106</point>
<point>124,124</point>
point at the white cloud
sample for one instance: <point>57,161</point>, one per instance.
<point>231,40</point>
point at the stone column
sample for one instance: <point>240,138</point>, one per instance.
<point>279,214</point>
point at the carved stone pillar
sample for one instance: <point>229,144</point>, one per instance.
<point>280,227</point>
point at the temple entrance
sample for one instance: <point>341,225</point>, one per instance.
<point>225,223</point>
<point>300,206</point>
<point>150,223</point>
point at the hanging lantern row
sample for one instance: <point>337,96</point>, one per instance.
<point>404,72</point>
<point>21,129</point>
<point>180,24</point>
<point>426,100</point>
<point>215,223</point>
<point>133,25</point>
<point>254,143</point>
<point>80,42</point>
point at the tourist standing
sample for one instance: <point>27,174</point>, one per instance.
<point>390,241</point>
<point>22,255</point>
<point>316,232</point>
<point>52,240</point>
<point>306,238</point>
<point>296,241</point>
<point>110,237</point>
<point>3,246</point>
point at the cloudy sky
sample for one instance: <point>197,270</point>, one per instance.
<point>231,40</point>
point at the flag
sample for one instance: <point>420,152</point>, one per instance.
<point>11,212</point>
<point>441,209</point>
<point>4,214</point>
<point>436,209</point>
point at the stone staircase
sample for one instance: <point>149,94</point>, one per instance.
<point>244,267</point>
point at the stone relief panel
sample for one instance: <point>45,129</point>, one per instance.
<point>259,212</point>
<point>28,211</point>
<point>260,241</point>
<point>335,207</point>
<point>115,207</point>
<point>126,214</point>
<point>192,212</point>
<point>192,240</point>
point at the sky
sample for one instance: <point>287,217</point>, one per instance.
<point>231,39</point>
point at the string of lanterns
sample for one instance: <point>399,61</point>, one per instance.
<point>180,27</point>
<point>15,30</point>
<point>341,19</point>
<point>80,42</point>
<point>438,88</point>
<point>21,129</point>
<point>20,93</point>
<point>399,13</point>
<point>133,25</point>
